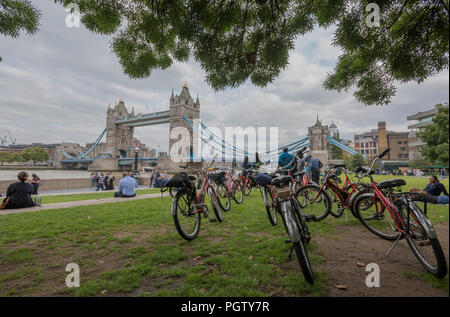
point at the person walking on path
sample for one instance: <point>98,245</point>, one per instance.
<point>100,183</point>
<point>93,179</point>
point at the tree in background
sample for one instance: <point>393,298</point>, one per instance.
<point>16,158</point>
<point>336,152</point>
<point>239,40</point>
<point>17,16</point>
<point>4,157</point>
<point>354,161</point>
<point>420,162</point>
<point>436,137</point>
<point>35,154</point>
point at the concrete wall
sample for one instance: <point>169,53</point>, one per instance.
<point>49,184</point>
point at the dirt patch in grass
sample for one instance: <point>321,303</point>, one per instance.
<point>354,243</point>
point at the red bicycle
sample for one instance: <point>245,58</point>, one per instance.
<point>395,216</point>
<point>189,204</point>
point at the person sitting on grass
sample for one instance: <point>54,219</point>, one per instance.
<point>127,186</point>
<point>432,192</point>
<point>18,195</point>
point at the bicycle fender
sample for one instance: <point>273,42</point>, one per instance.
<point>291,227</point>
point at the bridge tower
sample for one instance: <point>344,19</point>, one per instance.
<point>118,138</point>
<point>319,145</point>
<point>181,105</point>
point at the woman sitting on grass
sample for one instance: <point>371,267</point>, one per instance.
<point>18,195</point>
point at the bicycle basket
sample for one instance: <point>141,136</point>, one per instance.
<point>284,193</point>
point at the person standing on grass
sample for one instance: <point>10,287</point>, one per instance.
<point>443,173</point>
<point>127,186</point>
<point>100,182</point>
<point>18,195</point>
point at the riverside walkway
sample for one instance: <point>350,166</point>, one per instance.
<point>80,203</point>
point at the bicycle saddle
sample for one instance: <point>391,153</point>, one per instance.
<point>281,180</point>
<point>391,183</point>
<point>192,178</point>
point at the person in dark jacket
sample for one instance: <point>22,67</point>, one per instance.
<point>18,195</point>
<point>435,188</point>
<point>35,182</point>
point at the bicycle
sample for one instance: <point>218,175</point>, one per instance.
<point>231,187</point>
<point>403,220</point>
<point>189,204</point>
<point>294,222</point>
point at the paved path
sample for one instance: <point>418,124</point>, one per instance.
<point>79,203</point>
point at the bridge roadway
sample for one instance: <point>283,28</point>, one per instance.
<point>145,119</point>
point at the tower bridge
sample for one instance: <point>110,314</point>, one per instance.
<point>118,150</point>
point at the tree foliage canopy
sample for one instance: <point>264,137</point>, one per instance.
<point>239,40</point>
<point>437,138</point>
<point>17,16</point>
<point>35,154</point>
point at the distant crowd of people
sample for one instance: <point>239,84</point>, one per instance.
<point>158,179</point>
<point>102,181</point>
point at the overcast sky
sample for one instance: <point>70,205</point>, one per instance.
<point>57,84</point>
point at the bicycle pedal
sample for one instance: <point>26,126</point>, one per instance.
<point>287,241</point>
<point>212,220</point>
<point>311,218</point>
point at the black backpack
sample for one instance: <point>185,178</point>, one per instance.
<point>180,180</point>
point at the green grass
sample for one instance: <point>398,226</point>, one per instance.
<point>96,195</point>
<point>131,248</point>
<point>430,279</point>
<point>143,255</point>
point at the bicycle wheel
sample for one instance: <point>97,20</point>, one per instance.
<point>215,205</point>
<point>379,223</point>
<point>425,247</point>
<point>187,220</point>
<point>223,196</point>
<point>237,191</point>
<point>248,189</point>
<point>270,206</point>
<point>300,247</point>
<point>320,207</point>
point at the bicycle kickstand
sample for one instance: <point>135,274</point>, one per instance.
<point>290,253</point>
<point>393,246</point>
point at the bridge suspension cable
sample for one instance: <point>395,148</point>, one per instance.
<point>83,155</point>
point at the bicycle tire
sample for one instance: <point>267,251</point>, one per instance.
<point>175,214</point>
<point>324,199</point>
<point>440,270</point>
<point>271,210</point>
<point>365,220</point>
<point>237,188</point>
<point>300,247</point>
<point>248,189</point>
<point>214,205</point>
<point>223,198</point>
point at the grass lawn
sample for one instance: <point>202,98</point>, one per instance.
<point>132,249</point>
<point>95,195</point>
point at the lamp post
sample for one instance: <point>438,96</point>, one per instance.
<point>136,152</point>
